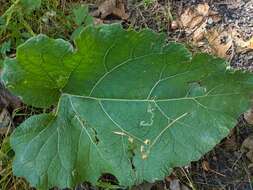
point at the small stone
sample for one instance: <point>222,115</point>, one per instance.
<point>210,21</point>
<point>174,25</point>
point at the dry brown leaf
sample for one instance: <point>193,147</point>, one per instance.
<point>237,37</point>
<point>187,17</point>
<point>196,21</point>
<point>192,17</point>
<point>220,42</point>
<point>113,7</point>
<point>203,9</point>
<point>250,43</point>
<point>239,42</point>
<point>199,33</point>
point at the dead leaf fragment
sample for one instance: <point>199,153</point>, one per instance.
<point>193,17</point>
<point>199,33</point>
<point>220,42</point>
<point>194,20</point>
<point>113,7</point>
<point>187,17</point>
<point>237,38</point>
<point>250,43</point>
<point>203,9</point>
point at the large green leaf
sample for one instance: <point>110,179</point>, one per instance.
<point>129,104</point>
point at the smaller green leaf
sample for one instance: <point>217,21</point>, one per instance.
<point>76,32</point>
<point>81,16</point>
<point>39,67</point>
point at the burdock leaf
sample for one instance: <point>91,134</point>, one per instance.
<point>129,104</point>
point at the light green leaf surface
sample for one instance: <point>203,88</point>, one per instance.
<point>81,15</point>
<point>38,73</point>
<point>129,104</point>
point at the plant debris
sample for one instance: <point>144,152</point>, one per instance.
<point>195,20</point>
<point>111,7</point>
<point>201,25</point>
